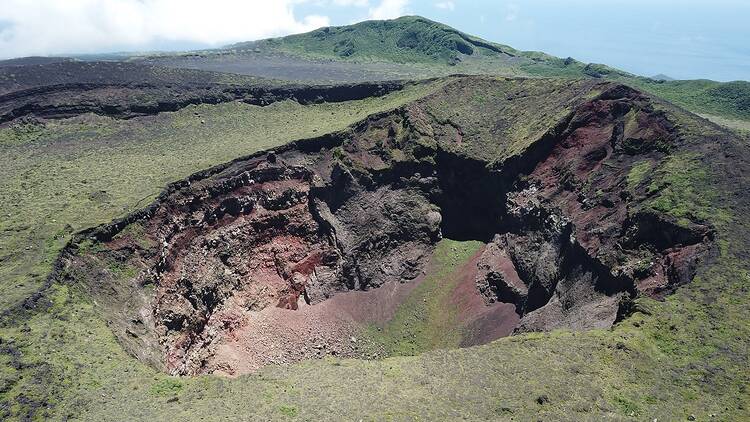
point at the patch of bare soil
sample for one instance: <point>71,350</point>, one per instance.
<point>483,322</point>
<point>288,67</point>
<point>276,335</point>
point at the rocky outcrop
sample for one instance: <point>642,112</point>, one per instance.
<point>578,242</point>
<point>568,241</point>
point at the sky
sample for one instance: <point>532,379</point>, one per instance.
<point>685,39</point>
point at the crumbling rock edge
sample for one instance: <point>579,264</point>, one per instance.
<point>129,100</point>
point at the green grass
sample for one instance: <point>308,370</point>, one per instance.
<point>497,125</point>
<point>71,174</point>
<point>436,49</point>
<point>289,411</point>
<point>728,100</point>
<point>649,368</point>
<point>638,173</point>
<point>677,189</point>
<point>409,39</point>
<point>427,320</point>
<point>166,387</point>
<point>413,47</point>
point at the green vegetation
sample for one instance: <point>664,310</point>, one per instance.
<point>677,189</point>
<point>497,125</point>
<point>67,175</point>
<point>289,411</point>
<point>686,355</point>
<point>427,320</point>
<point>638,173</point>
<point>137,232</point>
<point>729,100</point>
<point>166,387</point>
<point>434,49</point>
<point>404,40</point>
<point>643,366</point>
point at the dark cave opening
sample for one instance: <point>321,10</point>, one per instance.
<point>471,198</point>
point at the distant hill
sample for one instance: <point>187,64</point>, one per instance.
<point>726,99</point>
<point>413,47</point>
<point>406,39</point>
<point>417,40</point>
<point>440,49</point>
<point>662,77</point>
<point>34,60</point>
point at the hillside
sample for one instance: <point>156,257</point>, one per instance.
<point>414,47</point>
<point>729,99</point>
<point>406,39</point>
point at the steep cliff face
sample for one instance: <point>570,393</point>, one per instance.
<point>569,237</point>
<point>579,238</point>
<point>132,99</point>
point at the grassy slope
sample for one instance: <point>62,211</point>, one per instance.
<point>687,355</point>
<point>685,358</point>
<point>76,173</point>
<point>415,47</point>
<point>729,100</point>
<point>428,318</point>
<point>406,40</point>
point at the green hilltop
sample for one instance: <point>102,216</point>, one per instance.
<point>403,40</point>
<point>438,49</point>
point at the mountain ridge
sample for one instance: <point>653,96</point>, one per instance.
<point>415,47</point>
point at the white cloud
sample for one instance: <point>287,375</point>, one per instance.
<point>446,5</point>
<point>45,27</point>
<point>389,9</point>
<point>357,3</point>
<point>512,11</point>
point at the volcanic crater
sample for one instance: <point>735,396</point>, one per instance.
<point>287,254</point>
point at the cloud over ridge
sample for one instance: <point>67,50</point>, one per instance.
<point>44,27</point>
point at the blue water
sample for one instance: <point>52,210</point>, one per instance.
<point>685,39</point>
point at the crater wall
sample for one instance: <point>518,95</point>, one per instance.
<point>569,240</point>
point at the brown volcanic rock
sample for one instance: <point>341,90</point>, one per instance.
<point>578,243</point>
<point>256,237</point>
<point>255,253</point>
<point>497,277</point>
<point>232,250</point>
